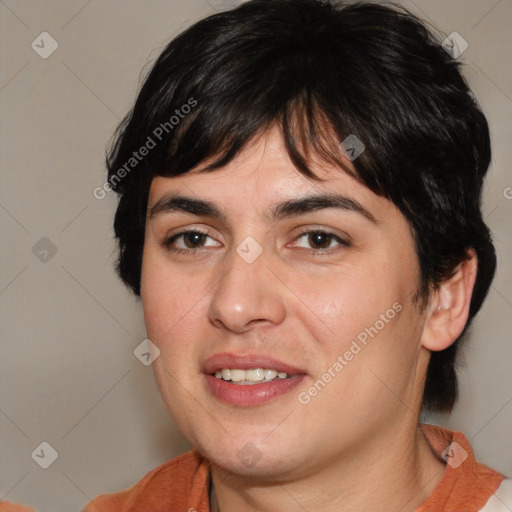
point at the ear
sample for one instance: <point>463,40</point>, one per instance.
<point>448,308</point>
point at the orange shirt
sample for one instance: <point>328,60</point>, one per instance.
<point>181,485</point>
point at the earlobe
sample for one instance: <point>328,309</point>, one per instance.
<point>448,308</point>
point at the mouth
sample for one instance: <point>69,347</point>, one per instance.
<point>249,380</point>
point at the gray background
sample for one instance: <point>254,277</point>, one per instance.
<point>68,374</point>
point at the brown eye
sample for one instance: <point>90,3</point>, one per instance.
<point>320,241</point>
<point>188,241</point>
<point>193,239</point>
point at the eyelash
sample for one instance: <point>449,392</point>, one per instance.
<point>316,252</point>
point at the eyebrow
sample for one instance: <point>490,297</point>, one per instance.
<point>291,208</point>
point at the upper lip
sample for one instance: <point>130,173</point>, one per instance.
<point>247,362</point>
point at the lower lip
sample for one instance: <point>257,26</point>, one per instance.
<point>250,394</point>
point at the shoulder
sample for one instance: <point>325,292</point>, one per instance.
<point>466,484</point>
<point>181,483</point>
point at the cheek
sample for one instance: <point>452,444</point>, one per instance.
<point>172,304</point>
<point>337,308</point>
<point>366,318</point>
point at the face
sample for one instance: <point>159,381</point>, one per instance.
<point>283,311</point>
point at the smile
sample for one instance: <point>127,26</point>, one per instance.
<point>249,380</point>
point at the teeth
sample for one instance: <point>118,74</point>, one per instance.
<point>254,375</point>
<point>236,375</point>
<point>258,374</point>
<point>270,374</point>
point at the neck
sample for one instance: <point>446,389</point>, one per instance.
<point>386,476</point>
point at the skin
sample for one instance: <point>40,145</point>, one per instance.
<point>356,444</point>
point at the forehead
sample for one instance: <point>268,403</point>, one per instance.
<point>262,174</point>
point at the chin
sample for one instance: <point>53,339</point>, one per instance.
<point>247,456</point>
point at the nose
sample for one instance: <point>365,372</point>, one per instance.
<point>248,294</point>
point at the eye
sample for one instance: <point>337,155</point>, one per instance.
<point>187,241</point>
<point>319,240</point>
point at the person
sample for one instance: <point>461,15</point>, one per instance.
<point>299,211</point>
